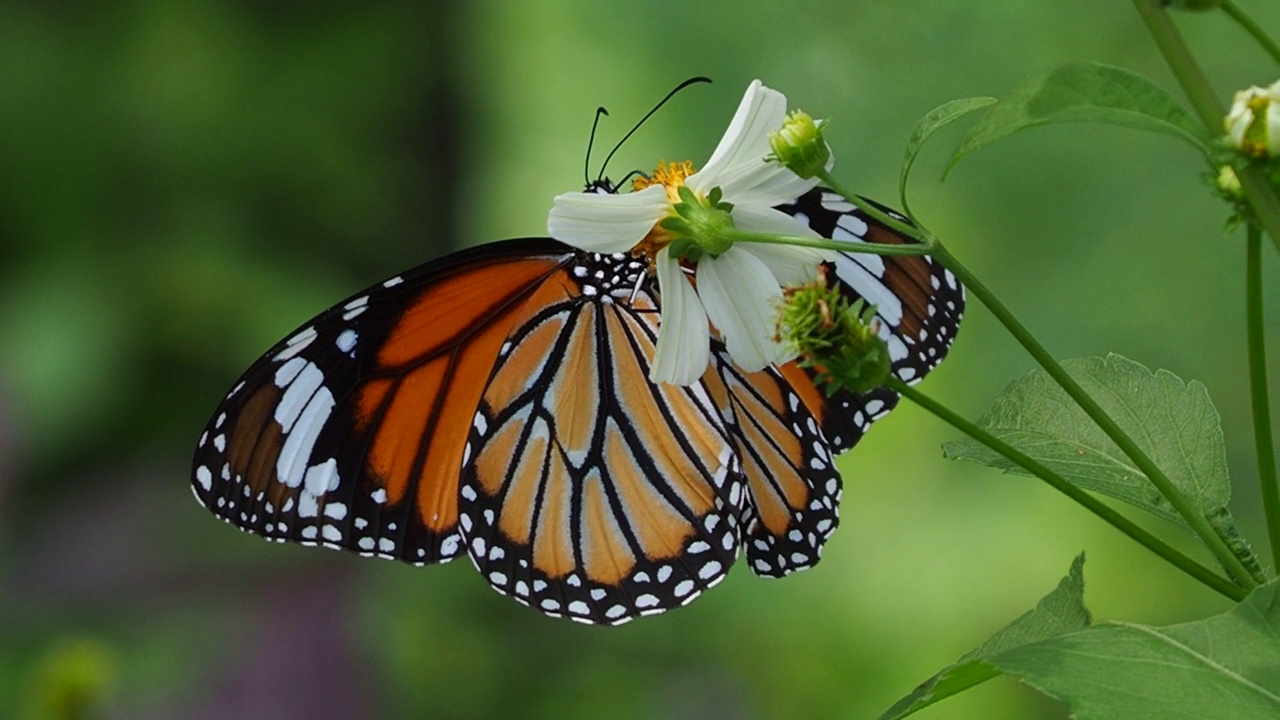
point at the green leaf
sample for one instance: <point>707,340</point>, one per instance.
<point>1174,422</point>
<point>1058,612</point>
<point>936,119</point>
<point>1225,666</point>
<point>1084,92</point>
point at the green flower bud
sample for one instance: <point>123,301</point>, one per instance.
<point>799,146</point>
<point>1228,183</point>
<point>837,338</point>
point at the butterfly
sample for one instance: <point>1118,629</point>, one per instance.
<point>496,403</point>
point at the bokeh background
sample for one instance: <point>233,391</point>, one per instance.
<point>181,184</point>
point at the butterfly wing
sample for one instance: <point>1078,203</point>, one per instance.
<point>918,303</point>
<point>350,433</point>
<point>497,402</point>
<point>590,492</point>
<point>793,485</point>
<point>788,433</point>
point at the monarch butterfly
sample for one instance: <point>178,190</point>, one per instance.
<point>496,402</point>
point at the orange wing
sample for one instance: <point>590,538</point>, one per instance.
<point>351,432</point>
<point>497,402</point>
<point>590,492</point>
<point>793,498</point>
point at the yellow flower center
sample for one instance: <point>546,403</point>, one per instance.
<point>671,176</point>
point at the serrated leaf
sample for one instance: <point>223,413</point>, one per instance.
<point>1058,612</point>
<point>935,119</point>
<point>1174,422</point>
<point>1225,666</point>
<point>1084,92</point>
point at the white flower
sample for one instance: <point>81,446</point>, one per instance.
<point>1253,124</point>
<point>738,289</point>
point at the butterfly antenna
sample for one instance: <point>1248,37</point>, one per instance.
<point>628,176</point>
<point>663,101</point>
<point>586,167</point>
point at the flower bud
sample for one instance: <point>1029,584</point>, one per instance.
<point>1228,183</point>
<point>799,146</point>
<point>1253,124</point>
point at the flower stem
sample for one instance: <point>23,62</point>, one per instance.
<point>1205,102</point>
<point>1258,390</point>
<point>1199,524</point>
<point>1094,505</point>
<point>822,244</point>
<point>1252,27</point>
<point>899,226</point>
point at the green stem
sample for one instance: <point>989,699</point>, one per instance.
<point>899,226</point>
<point>1204,100</point>
<point>1094,505</point>
<point>1197,521</point>
<point>1199,524</point>
<point>854,247</point>
<point>1258,390</point>
<point>1252,27</point>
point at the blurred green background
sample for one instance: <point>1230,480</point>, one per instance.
<point>182,184</point>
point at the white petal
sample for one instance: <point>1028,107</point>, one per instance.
<point>761,111</point>
<point>1238,122</point>
<point>738,165</point>
<point>741,296</point>
<point>684,338</point>
<point>756,183</point>
<point>606,223</point>
<point>789,264</point>
<point>1273,128</point>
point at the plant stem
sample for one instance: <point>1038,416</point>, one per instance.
<point>1205,102</point>
<point>1258,390</point>
<point>1199,524</point>
<point>899,226</point>
<point>1094,505</point>
<point>1252,27</point>
<point>854,247</point>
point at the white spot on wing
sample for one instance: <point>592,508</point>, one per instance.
<point>288,371</point>
<point>297,447</point>
<point>295,398</point>
<point>296,344</point>
<point>869,286</point>
<point>308,507</point>
<point>204,477</point>
<point>322,478</point>
<point>347,340</point>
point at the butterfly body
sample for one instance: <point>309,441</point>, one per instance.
<point>496,402</point>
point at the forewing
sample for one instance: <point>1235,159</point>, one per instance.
<point>787,432</point>
<point>918,303</point>
<point>590,492</point>
<point>350,433</point>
